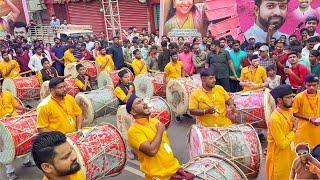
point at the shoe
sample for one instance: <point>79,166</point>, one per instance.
<point>29,164</point>
<point>12,176</point>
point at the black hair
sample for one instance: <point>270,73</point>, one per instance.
<point>280,42</point>
<point>173,45</point>
<point>4,52</point>
<point>222,38</point>
<point>127,41</point>
<point>187,44</point>
<point>259,2</point>
<point>56,38</point>
<point>312,18</point>
<point>173,53</point>
<point>180,37</point>
<point>312,39</point>
<point>164,43</point>
<point>303,29</point>
<point>215,42</point>
<point>43,60</point>
<point>20,25</point>
<point>236,42</point>
<point>292,52</point>
<point>250,48</point>
<point>78,66</point>
<point>297,49</point>
<point>55,81</point>
<point>72,46</point>
<point>135,51</point>
<point>115,38</point>
<point>292,35</point>
<point>154,47</point>
<point>43,147</point>
<point>270,68</point>
<point>122,73</point>
<point>315,53</point>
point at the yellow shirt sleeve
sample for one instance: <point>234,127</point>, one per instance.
<point>167,70</point>
<point>276,129</point>
<point>193,100</point>
<point>242,75</point>
<point>135,67</point>
<point>17,69</point>
<point>42,117</point>
<point>69,58</point>
<point>264,75</point>
<point>223,92</point>
<point>79,84</point>
<point>76,108</point>
<point>118,92</point>
<point>139,67</point>
<point>296,103</point>
<point>39,76</point>
<point>136,137</point>
<point>8,104</point>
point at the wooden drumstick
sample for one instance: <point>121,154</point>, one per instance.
<point>23,73</point>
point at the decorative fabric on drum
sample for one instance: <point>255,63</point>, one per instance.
<point>25,88</point>
<point>148,85</point>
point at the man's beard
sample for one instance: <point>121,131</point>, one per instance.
<point>287,106</point>
<point>267,23</point>
<point>75,167</point>
<point>311,30</point>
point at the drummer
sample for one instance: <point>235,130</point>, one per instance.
<point>59,111</point>
<point>148,138</point>
<point>55,157</point>
<point>68,56</point>
<point>9,68</point>
<point>138,64</point>
<point>253,77</point>
<point>124,88</point>
<point>174,69</point>
<point>281,133</point>
<point>83,80</point>
<point>47,73</point>
<point>208,103</point>
<point>104,61</point>
<point>306,107</point>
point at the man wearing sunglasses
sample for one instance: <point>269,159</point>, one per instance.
<point>301,165</point>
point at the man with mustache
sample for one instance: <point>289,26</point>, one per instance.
<point>55,157</point>
<point>311,24</point>
<point>270,16</point>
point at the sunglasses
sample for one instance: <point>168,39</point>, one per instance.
<point>302,153</point>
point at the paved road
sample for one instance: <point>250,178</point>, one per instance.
<point>177,134</point>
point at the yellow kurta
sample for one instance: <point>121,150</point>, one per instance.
<point>102,59</point>
<point>173,70</point>
<point>280,152</point>
<point>163,164</point>
<point>77,176</point>
<point>257,77</point>
<point>120,94</point>
<point>139,66</point>
<point>58,115</point>
<point>307,132</point>
<point>69,58</point>
<point>8,104</point>
<point>217,97</point>
<point>5,66</point>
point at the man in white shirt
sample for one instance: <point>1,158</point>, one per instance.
<point>35,60</point>
<point>89,44</point>
<point>268,12</point>
<point>311,42</point>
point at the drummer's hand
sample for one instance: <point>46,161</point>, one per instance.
<point>86,78</point>
<point>131,88</point>
<point>160,127</point>
<point>295,122</point>
<point>313,121</point>
<point>210,111</point>
<point>233,107</point>
<point>313,168</point>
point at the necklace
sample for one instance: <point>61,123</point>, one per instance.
<point>315,110</point>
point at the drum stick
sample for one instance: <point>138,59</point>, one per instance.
<point>243,111</point>
<point>23,73</point>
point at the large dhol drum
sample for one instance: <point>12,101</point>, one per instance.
<point>25,88</point>
<point>112,78</point>
<point>97,103</point>
<point>70,87</point>
<point>16,134</point>
<point>238,143</point>
<point>252,107</point>
<point>213,167</point>
<point>101,151</point>
<point>178,92</point>
<point>148,85</point>
<point>158,107</point>
<point>91,69</point>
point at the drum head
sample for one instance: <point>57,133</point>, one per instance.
<point>7,146</point>
<point>144,86</point>
<point>160,109</point>
<point>269,105</point>
<point>71,69</point>
<point>79,156</point>
<point>213,166</point>
<point>86,106</point>
<point>177,96</point>
<point>104,79</point>
<point>44,90</point>
<point>8,84</point>
<point>124,121</point>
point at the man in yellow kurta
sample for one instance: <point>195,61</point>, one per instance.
<point>281,133</point>
<point>9,68</point>
<point>208,103</point>
<point>124,88</point>
<point>104,61</point>
<point>148,138</point>
<point>174,69</point>
<point>306,107</point>
<point>68,56</point>
<point>59,111</point>
<point>253,77</point>
<point>62,164</point>
<point>139,66</point>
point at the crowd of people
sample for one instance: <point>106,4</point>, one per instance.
<point>286,65</point>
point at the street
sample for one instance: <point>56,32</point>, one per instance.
<point>178,137</point>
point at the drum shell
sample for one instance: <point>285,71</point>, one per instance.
<point>148,85</point>
<point>238,143</point>
<point>90,67</point>
<point>97,103</point>
<point>214,166</point>
<point>112,78</point>
<point>104,140</point>
<point>16,136</point>
<point>25,88</point>
<point>70,87</point>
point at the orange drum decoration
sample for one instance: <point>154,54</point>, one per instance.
<point>158,107</point>
<point>101,151</point>
<point>91,69</point>
<point>252,107</point>
<point>25,88</point>
<point>238,143</point>
<point>179,90</point>
<point>148,85</point>
<point>70,87</point>
<point>212,166</point>
<point>111,78</point>
<point>16,134</point>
